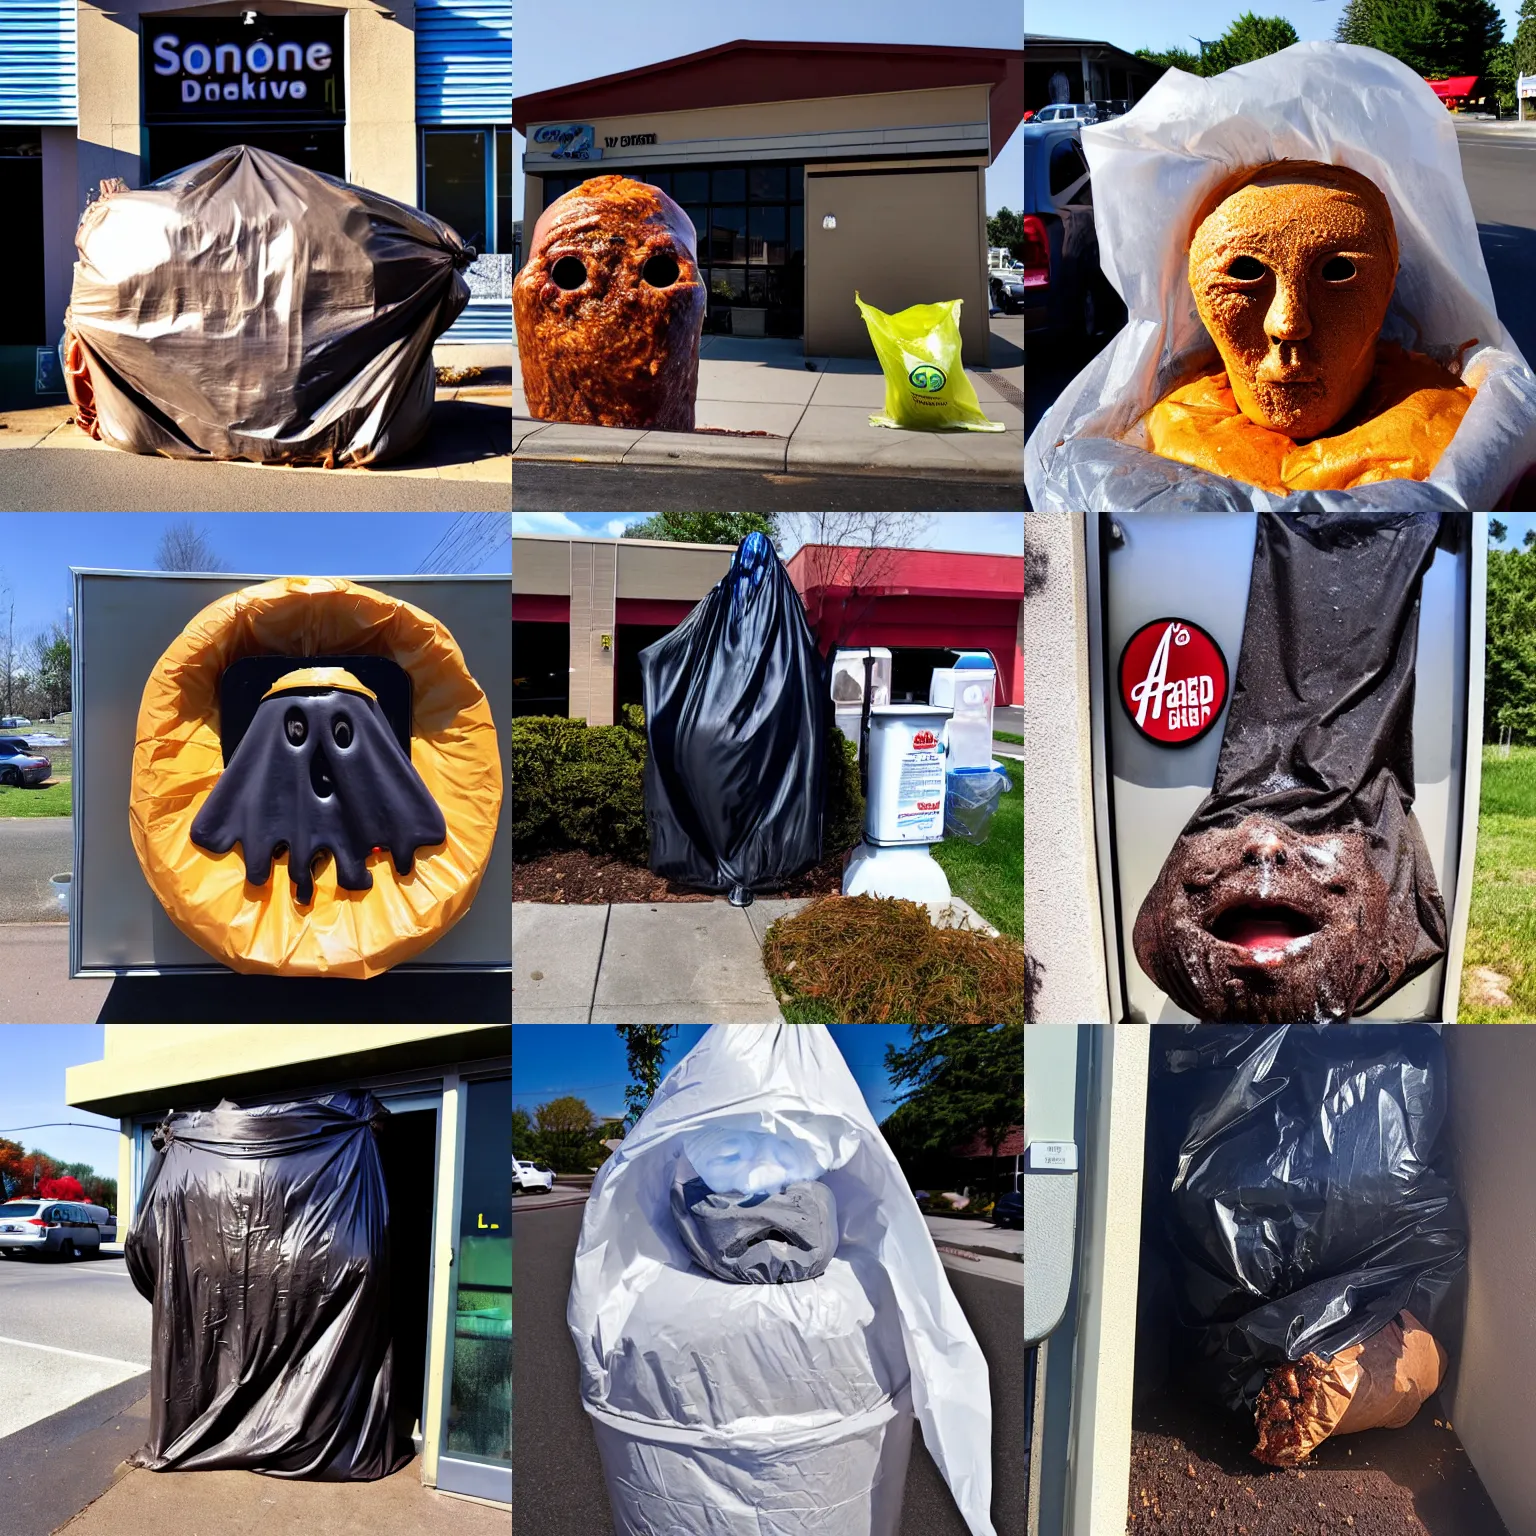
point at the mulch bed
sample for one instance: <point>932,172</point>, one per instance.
<point>582,879</point>
<point>1191,1472</point>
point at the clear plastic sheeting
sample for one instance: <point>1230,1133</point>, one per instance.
<point>261,1239</point>
<point>248,308</point>
<point>970,803</point>
<point>730,1409</point>
<point>1152,170</point>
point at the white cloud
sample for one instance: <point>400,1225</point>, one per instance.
<point>615,526</point>
<point>546,522</point>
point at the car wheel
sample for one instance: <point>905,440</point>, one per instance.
<point>10,778</point>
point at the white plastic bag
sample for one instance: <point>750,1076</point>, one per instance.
<point>772,1410</point>
<point>1151,170</point>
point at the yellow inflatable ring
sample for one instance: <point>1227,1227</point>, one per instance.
<point>177,760</point>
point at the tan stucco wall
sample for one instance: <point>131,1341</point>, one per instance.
<point>902,238</point>
<point>1493,1138</point>
<point>143,1057</point>
<point>541,566</point>
<point>380,88</point>
<point>1063,928</point>
<point>60,218</point>
<point>681,573</point>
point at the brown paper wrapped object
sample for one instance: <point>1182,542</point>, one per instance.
<point>610,308</point>
<point>1379,1384</point>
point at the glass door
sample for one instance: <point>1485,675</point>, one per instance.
<point>477,1447</point>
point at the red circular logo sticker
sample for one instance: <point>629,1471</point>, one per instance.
<point>1173,681</point>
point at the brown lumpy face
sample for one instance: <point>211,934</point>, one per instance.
<point>1259,924</point>
<point>1292,274</point>
<point>610,307</point>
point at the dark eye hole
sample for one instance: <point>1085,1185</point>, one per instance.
<point>1246,268</point>
<point>661,271</point>
<point>295,727</point>
<point>568,273</point>
<point>1338,269</point>
<point>341,729</point>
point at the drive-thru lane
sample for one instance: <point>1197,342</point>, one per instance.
<point>559,1479</point>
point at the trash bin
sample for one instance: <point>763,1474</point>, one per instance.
<point>970,801</point>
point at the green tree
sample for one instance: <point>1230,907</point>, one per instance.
<point>1172,58</point>
<point>1358,23</point>
<point>567,1133</point>
<point>1524,45</point>
<point>1249,37</point>
<point>1006,228</point>
<point>645,1049</point>
<point>525,1140</point>
<point>707,527</point>
<point>1509,678</point>
<point>51,667</point>
<point>1499,77</point>
<point>1435,38</point>
<point>961,1079</point>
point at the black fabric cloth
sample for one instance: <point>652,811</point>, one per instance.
<point>757,1239</point>
<point>1303,1188</point>
<point>736,717</point>
<point>245,307</point>
<point>261,1238</point>
<point>319,771</point>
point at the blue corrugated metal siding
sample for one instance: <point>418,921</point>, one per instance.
<point>37,61</point>
<point>487,321</point>
<point>464,61</point>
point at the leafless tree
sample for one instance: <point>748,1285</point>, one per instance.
<point>850,556</point>
<point>185,547</point>
<point>10,668</point>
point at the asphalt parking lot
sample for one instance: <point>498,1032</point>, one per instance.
<point>556,1471</point>
<point>67,1332</point>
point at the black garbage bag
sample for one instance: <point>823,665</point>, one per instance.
<point>261,1238</point>
<point>1301,888</point>
<point>1302,1189</point>
<point>249,308</point>
<point>736,716</point>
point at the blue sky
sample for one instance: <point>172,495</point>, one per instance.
<point>1518,524</point>
<point>36,551</point>
<point>991,533</point>
<point>32,1062</point>
<point>1133,24</point>
<point>555,45</point>
<point>551,1060</point>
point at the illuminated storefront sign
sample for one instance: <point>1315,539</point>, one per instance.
<point>201,68</point>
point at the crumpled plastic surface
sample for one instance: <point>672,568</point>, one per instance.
<point>1319,738</point>
<point>262,1240</point>
<point>1305,1191</point>
<point>249,308</point>
<point>970,803</point>
<point>736,717</point>
<point>1152,169</point>
<point>177,761</point>
<point>772,1410</point>
<point>925,384</point>
<point>766,1238</point>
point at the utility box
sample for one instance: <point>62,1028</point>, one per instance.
<point>1183,578</point>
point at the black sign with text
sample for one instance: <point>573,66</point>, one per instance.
<point>217,69</point>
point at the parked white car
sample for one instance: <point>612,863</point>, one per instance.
<point>529,1176</point>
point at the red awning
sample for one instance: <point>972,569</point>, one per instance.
<point>1457,85</point>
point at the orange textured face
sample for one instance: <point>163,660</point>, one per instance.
<point>609,309</point>
<point>1292,274</point>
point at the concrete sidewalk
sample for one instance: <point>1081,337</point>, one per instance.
<point>145,1503</point>
<point>35,984</point>
<point>665,962</point>
<point>470,438</point>
<point>817,411</point>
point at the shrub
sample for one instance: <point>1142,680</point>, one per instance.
<point>576,785</point>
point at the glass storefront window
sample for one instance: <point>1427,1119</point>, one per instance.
<point>728,234</point>
<point>729,186</point>
<point>454,183</point>
<point>690,186</point>
<point>504,191</point>
<point>768,184</point>
<point>480,1401</point>
<point>765,236</point>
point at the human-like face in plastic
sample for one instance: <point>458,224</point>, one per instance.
<point>1292,274</point>
<point>610,307</point>
<point>1259,924</point>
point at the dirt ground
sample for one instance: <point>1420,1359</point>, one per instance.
<point>581,878</point>
<point>1191,1472</point>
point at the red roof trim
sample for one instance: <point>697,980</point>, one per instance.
<point>746,71</point>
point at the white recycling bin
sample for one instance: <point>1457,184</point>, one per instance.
<point>969,690</point>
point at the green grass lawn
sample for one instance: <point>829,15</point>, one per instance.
<point>1501,927</point>
<point>990,875</point>
<point>50,799</point>
<point>1018,741</point>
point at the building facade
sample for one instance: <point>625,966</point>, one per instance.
<point>584,609</point>
<point>413,100</point>
<point>445,1148</point>
<point>810,170</point>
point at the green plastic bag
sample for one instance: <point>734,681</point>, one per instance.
<point>925,387</point>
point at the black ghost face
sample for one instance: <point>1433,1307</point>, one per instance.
<point>758,1239</point>
<point>319,771</point>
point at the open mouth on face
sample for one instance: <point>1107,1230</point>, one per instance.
<point>1262,928</point>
